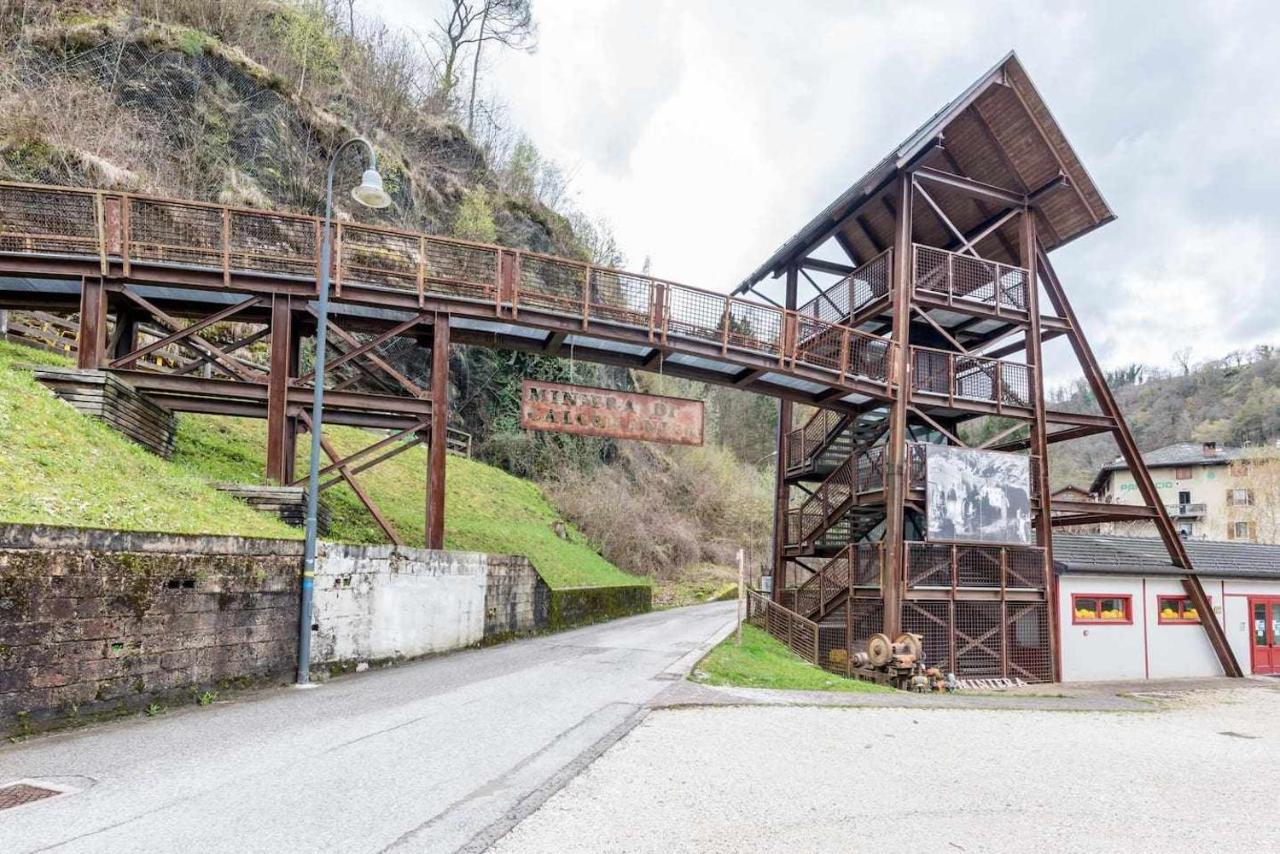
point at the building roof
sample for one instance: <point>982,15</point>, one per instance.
<point>1095,553</point>
<point>1180,454</point>
<point>999,131</point>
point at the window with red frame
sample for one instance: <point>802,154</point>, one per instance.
<point>1101,609</point>
<point>1177,610</point>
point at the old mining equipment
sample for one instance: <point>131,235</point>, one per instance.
<point>899,663</point>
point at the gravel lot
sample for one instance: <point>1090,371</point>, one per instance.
<point>1203,774</point>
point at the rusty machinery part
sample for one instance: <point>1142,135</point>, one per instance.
<point>860,659</point>
<point>879,650</point>
<point>910,644</point>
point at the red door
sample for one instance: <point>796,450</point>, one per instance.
<point>1265,614</point>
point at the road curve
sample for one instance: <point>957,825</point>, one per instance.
<point>440,755</point>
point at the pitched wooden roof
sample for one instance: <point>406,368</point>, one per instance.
<point>998,131</point>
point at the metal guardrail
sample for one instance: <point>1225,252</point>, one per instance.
<point>857,565</point>
<point>1186,511</point>
<point>960,378</point>
<point>964,277</point>
<point>956,566</point>
<point>133,231</point>
<point>846,297</point>
<point>797,632</point>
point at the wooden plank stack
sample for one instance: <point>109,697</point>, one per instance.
<point>102,395</point>
<point>289,503</point>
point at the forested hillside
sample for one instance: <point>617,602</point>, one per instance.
<point>1233,400</point>
<point>243,102</point>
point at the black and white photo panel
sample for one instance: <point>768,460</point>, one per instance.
<point>978,496</point>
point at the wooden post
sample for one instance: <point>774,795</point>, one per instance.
<point>279,448</point>
<point>742,592</point>
<point>92,339</point>
<point>439,432</point>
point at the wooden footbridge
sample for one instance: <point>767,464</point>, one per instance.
<point>898,347</point>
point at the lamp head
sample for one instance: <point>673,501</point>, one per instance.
<point>370,192</point>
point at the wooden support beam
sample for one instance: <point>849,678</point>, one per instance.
<point>439,432</point>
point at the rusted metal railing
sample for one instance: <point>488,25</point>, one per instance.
<point>844,299</point>
<point>861,472</point>
<point>857,565</point>
<point>797,632</point>
<point>963,565</point>
<point>960,378</point>
<point>806,440</point>
<point>956,276</point>
<point>127,231</point>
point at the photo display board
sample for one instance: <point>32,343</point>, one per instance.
<point>978,496</point>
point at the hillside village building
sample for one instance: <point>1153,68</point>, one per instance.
<point>1206,489</point>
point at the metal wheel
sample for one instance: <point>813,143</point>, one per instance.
<point>911,643</point>
<point>879,650</point>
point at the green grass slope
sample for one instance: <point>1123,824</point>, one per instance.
<point>765,662</point>
<point>486,510</point>
<point>61,468</point>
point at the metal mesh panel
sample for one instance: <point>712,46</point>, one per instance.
<point>461,270</point>
<point>928,565</point>
<point>837,303</point>
<point>803,639</point>
<point>818,343</point>
<point>977,566</point>
<point>965,277</point>
<point>47,222</point>
<point>977,631</point>
<point>931,272</point>
<point>932,620</point>
<point>1025,568</point>
<point>1015,384</point>
<point>975,378</point>
<point>917,465</point>
<point>1027,641</point>
<point>554,285</point>
<point>695,314</point>
<point>871,466</point>
<point>833,647</point>
<point>867,619</point>
<point>379,258</point>
<point>266,243</point>
<point>869,357</point>
<point>755,327</point>
<point>621,298</point>
<point>930,371</point>
<point>806,440</point>
<point>175,233</point>
<point>867,561</point>
<point>1013,287</point>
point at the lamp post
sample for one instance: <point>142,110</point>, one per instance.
<point>370,194</point>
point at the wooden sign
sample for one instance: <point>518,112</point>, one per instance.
<point>586,411</point>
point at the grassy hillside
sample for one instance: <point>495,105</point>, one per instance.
<point>485,509</point>
<point>61,468</point>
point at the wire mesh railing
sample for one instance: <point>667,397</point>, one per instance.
<point>811,437</point>
<point>857,565</point>
<point>963,378</point>
<point>964,277</point>
<point>130,230</point>
<point>844,299</point>
<point>966,566</point>
<point>797,632</point>
<point>861,472</point>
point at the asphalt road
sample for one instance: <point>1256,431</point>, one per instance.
<point>440,755</point>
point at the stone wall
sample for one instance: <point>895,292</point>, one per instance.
<point>577,606</point>
<point>98,622</point>
<point>516,598</point>
<point>95,621</point>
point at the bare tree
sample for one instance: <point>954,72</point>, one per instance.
<point>470,24</point>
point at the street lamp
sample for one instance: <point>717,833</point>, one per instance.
<point>370,194</point>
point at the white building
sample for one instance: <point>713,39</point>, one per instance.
<point>1123,614</point>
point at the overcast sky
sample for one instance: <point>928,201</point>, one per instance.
<point>709,132</point>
